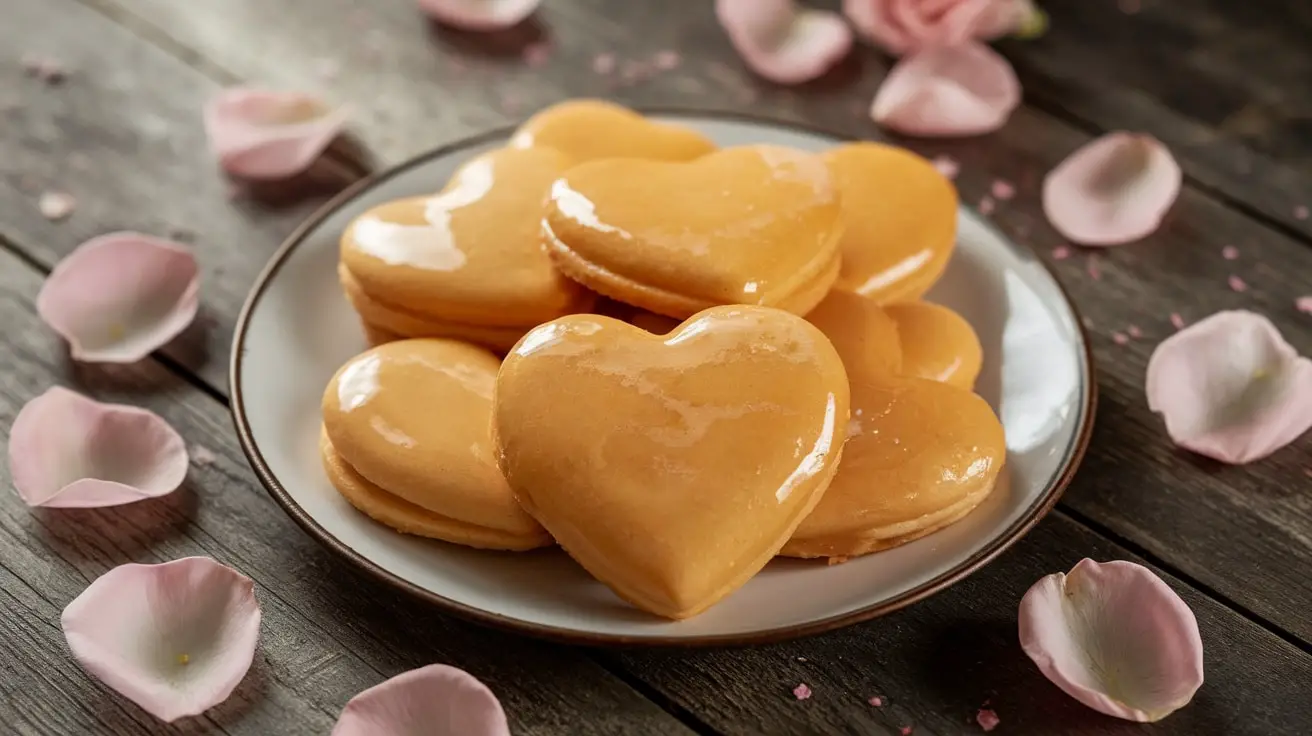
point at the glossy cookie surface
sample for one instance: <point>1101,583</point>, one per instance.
<point>899,221</point>
<point>412,418</point>
<point>749,225</point>
<point>587,130</point>
<point>472,253</point>
<point>672,467</point>
<point>937,343</point>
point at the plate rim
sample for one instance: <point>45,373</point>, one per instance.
<point>1018,529</point>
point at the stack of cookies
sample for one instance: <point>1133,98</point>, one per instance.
<point>674,361</point>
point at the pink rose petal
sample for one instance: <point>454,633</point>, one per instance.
<point>1177,321</point>
<point>258,134</point>
<point>986,205</point>
<point>603,63</point>
<point>876,701</point>
<point>781,42</point>
<point>987,719</point>
<point>56,206</point>
<point>1114,637</point>
<point>436,700</point>
<point>802,691</point>
<point>1230,387</point>
<point>1120,338</point>
<point>118,297</point>
<point>1237,284</point>
<point>1304,304</point>
<point>68,451</point>
<point>174,638</point>
<point>1113,190</point>
<point>479,15</point>
<point>1229,252</point>
<point>1003,190</point>
<point>1061,253</point>
<point>1300,212</point>
<point>962,90</point>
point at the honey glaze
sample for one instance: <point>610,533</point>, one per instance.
<point>672,467</point>
<point>748,225</point>
<point>899,222</point>
<point>412,417</point>
<point>471,253</point>
<point>919,455</point>
<point>865,336</point>
<point>587,130</point>
<point>937,343</point>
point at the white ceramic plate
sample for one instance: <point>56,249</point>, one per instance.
<point>297,329</point>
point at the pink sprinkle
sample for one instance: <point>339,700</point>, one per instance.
<point>1003,189</point>
<point>906,731</point>
<point>1094,268</point>
<point>1237,284</point>
<point>947,166</point>
<point>802,692</point>
<point>667,60</point>
<point>1120,338</point>
<point>876,701</point>
<point>1177,321</point>
<point>1061,253</point>
<point>1134,331</point>
<point>1300,212</point>
<point>603,63</point>
<point>1304,304</point>
<point>56,206</point>
<point>537,54</point>
<point>1229,252</point>
<point>202,455</point>
<point>987,719</point>
<point>985,205</point>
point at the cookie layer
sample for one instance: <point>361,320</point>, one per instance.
<point>587,130</point>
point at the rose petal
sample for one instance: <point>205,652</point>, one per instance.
<point>1230,387</point>
<point>68,451</point>
<point>258,134</point>
<point>1114,637</point>
<point>1112,190</point>
<point>479,15</point>
<point>120,296</point>
<point>174,638</point>
<point>781,42</point>
<point>961,90</point>
<point>436,700</point>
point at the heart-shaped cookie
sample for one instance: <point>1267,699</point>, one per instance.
<point>750,225</point>
<point>899,220</point>
<point>920,454</point>
<point>471,254</point>
<point>587,130</point>
<point>937,343</point>
<point>672,467</point>
<point>407,440</point>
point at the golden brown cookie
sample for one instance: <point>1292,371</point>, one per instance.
<point>587,130</point>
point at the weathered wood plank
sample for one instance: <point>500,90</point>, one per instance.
<point>1221,82</point>
<point>123,134</point>
<point>936,663</point>
<point>327,633</point>
<point>423,85</point>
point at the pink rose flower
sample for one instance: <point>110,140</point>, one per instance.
<point>903,26</point>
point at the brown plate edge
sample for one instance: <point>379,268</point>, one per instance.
<point>1074,453</point>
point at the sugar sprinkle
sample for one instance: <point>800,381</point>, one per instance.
<point>1134,331</point>
<point>1061,253</point>
<point>56,206</point>
<point>1120,338</point>
<point>876,701</point>
<point>1229,252</point>
<point>1003,189</point>
<point>1237,284</point>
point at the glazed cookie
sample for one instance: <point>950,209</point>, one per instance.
<point>406,440</point>
<point>672,468</point>
<point>470,255</point>
<point>587,130</point>
<point>899,220</point>
<point>937,343</point>
<point>385,320</point>
<point>920,454</point>
<point>751,225</point>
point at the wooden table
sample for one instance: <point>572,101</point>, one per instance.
<point>1224,84</point>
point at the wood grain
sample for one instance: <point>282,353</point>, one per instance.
<point>1222,83</point>
<point>426,85</point>
<point>327,632</point>
<point>123,134</point>
<point>936,663</point>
